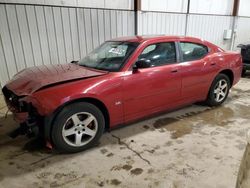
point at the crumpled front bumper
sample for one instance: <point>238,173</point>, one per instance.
<point>24,114</point>
<point>21,117</point>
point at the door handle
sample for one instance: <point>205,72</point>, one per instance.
<point>213,64</point>
<point>174,71</point>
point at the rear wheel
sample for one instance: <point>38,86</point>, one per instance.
<point>77,127</point>
<point>219,90</point>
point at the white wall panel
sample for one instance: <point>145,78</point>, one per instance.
<point>51,35</point>
<point>119,4</point>
<point>221,7</point>
<point>7,44</point>
<point>67,34</point>
<point>35,35</point>
<point>4,73</point>
<point>210,28</point>
<point>244,8</point>
<point>164,5</point>
<point>243,31</point>
<point>14,30</point>
<point>161,23</point>
<point>41,27</point>
<point>108,4</point>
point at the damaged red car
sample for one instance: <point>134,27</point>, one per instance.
<point>121,81</point>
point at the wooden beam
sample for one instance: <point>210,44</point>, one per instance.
<point>137,5</point>
<point>236,7</point>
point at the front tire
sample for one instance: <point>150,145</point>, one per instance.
<point>219,90</point>
<point>77,127</point>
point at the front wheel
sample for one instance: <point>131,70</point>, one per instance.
<point>77,127</point>
<point>219,90</point>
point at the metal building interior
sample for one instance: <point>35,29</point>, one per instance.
<point>195,146</point>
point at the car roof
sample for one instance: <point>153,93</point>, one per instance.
<point>143,38</point>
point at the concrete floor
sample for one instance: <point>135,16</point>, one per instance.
<point>193,147</point>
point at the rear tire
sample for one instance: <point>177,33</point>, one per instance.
<point>243,73</point>
<point>77,127</point>
<point>219,90</point>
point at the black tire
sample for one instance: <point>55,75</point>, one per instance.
<point>243,73</point>
<point>64,117</point>
<point>211,99</point>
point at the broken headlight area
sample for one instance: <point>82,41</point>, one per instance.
<point>25,113</point>
<point>13,101</point>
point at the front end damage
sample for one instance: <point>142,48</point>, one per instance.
<point>24,113</point>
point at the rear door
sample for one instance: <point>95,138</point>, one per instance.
<point>197,70</point>
<point>153,88</point>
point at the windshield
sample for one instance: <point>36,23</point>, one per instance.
<point>110,56</point>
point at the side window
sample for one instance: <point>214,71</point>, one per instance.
<point>159,54</point>
<point>192,51</point>
<point>149,49</point>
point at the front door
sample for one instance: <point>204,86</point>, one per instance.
<point>152,88</point>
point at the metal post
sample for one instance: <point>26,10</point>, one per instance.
<point>137,7</point>
<point>235,20</point>
<point>187,15</point>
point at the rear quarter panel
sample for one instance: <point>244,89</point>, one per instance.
<point>228,61</point>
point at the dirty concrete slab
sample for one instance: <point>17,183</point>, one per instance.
<point>196,146</point>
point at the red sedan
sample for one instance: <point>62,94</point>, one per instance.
<point>123,80</point>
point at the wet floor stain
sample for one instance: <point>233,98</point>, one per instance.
<point>110,155</point>
<point>136,171</point>
<point>163,122</point>
<point>175,126</point>
<point>218,116</point>
<point>100,184</point>
<point>127,167</point>
<point>103,151</point>
<point>115,182</point>
<point>43,175</point>
<point>150,171</point>
<point>168,143</point>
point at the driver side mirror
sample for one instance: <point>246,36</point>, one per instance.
<point>141,64</point>
<point>74,62</point>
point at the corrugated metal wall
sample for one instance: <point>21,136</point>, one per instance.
<point>161,23</point>
<point>243,31</point>
<point>35,35</point>
<point>210,27</point>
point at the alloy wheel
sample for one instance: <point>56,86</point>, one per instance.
<point>220,91</point>
<point>79,129</point>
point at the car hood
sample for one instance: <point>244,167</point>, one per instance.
<point>32,79</point>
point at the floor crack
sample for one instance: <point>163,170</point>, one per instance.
<point>128,147</point>
<point>42,159</point>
